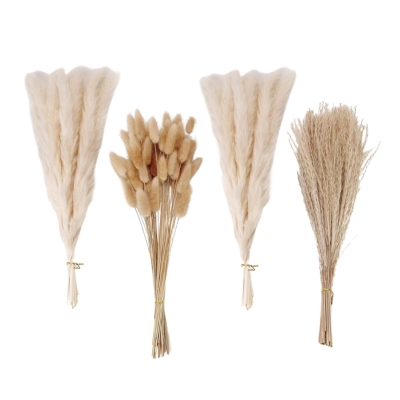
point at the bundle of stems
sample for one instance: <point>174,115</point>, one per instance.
<point>332,159</point>
<point>156,180</point>
<point>68,114</point>
<point>246,114</point>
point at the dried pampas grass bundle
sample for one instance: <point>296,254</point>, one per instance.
<point>332,159</point>
<point>68,114</point>
<point>156,180</point>
<point>246,114</point>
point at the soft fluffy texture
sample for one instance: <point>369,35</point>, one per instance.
<point>246,114</point>
<point>68,114</point>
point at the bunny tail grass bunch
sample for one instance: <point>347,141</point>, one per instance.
<point>156,181</point>
<point>246,113</point>
<point>68,114</point>
<point>332,159</point>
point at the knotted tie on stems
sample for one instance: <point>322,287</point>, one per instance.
<point>72,296</point>
<point>250,267</point>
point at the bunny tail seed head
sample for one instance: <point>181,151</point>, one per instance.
<point>144,173</point>
<point>162,137</point>
<point>167,124</point>
<point>133,176</point>
<point>192,150</point>
<point>155,194</point>
<point>125,139</point>
<point>170,140</point>
<point>131,126</point>
<point>153,130</point>
<point>166,116</point>
<point>130,195</point>
<point>140,130</point>
<point>177,172</point>
<point>190,125</point>
<point>195,166</point>
<point>135,152</point>
<point>183,151</point>
<point>172,161</point>
<point>180,135</point>
<point>143,203</point>
<point>177,119</point>
<point>147,149</point>
<point>184,178</point>
<point>162,168</point>
<point>182,202</point>
<point>119,164</point>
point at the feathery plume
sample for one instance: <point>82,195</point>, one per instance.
<point>246,114</point>
<point>68,114</point>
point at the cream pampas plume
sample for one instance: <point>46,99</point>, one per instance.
<point>68,114</point>
<point>332,159</point>
<point>246,114</point>
<point>160,202</point>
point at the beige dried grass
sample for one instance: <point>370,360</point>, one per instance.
<point>330,150</point>
<point>158,202</point>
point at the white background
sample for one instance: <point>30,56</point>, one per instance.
<point>343,52</point>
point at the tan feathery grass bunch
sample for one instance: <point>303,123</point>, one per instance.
<point>332,159</point>
<point>68,114</point>
<point>156,180</point>
<point>246,113</point>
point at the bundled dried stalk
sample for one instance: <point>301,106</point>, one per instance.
<point>68,115</point>
<point>246,114</point>
<point>156,180</point>
<point>332,161</point>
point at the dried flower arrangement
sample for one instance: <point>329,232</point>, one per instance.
<point>332,159</point>
<point>68,114</point>
<point>246,113</point>
<point>156,181</point>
